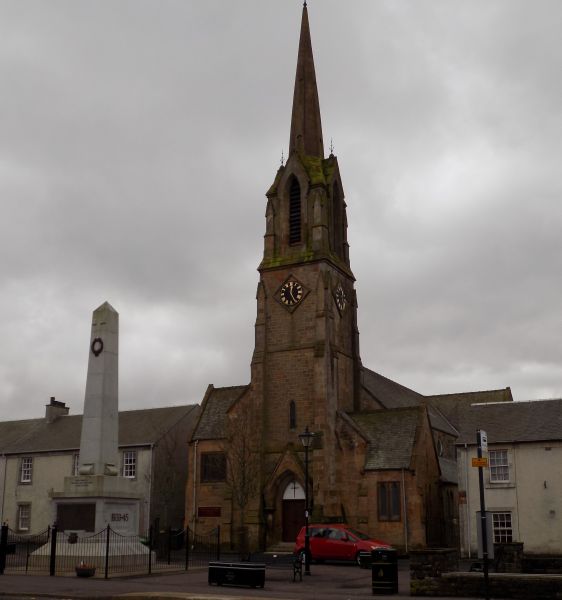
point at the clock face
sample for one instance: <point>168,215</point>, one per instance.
<point>340,297</point>
<point>291,293</point>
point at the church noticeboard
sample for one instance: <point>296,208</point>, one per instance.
<point>209,511</point>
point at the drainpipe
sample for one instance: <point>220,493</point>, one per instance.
<point>3,488</point>
<point>468,528</point>
<point>405,513</point>
<point>149,511</point>
<point>194,483</point>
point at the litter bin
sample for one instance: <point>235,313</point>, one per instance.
<point>384,570</point>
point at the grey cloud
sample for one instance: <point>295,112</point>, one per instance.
<point>137,140</point>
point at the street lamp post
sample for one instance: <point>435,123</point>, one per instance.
<point>306,439</point>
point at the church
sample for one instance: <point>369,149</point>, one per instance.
<point>383,456</point>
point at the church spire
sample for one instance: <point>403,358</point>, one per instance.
<point>306,126</point>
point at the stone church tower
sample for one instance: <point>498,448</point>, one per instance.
<point>306,361</point>
<point>306,371</point>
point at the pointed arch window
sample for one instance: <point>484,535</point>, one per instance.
<point>292,415</point>
<point>294,212</point>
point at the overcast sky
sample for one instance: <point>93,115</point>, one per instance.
<point>138,139</point>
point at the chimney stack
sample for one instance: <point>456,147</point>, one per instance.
<point>55,409</point>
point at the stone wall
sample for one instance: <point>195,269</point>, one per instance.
<point>471,585</point>
<point>535,563</point>
<point>434,573</point>
<point>508,558</point>
<point>432,562</point>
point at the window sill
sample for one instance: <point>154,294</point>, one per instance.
<point>491,485</point>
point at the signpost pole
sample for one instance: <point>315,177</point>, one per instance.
<point>482,441</point>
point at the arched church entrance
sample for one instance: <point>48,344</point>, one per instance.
<point>293,511</point>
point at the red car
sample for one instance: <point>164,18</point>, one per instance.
<point>337,542</point>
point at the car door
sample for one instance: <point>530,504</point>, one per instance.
<point>318,543</point>
<point>338,547</point>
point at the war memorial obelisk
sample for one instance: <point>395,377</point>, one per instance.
<point>98,495</point>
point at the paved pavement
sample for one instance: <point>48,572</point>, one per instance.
<point>327,582</point>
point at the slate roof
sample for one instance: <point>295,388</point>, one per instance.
<point>136,428</point>
<point>453,406</point>
<point>212,422</point>
<point>394,395</point>
<point>508,422</point>
<point>391,435</point>
<point>449,472</point>
<point>389,393</point>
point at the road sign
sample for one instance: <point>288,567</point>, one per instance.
<point>483,440</point>
<point>480,462</point>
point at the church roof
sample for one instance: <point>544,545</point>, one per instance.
<point>306,125</point>
<point>389,393</point>
<point>391,434</point>
<point>453,406</point>
<point>212,421</point>
<point>394,395</point>
<point>136,428</point>
<point>510,422</point>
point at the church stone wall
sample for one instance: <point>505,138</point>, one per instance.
<point>207,495</point>
<point>418,490</point>
<point>289,379</point>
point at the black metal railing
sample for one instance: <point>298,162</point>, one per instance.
<point>19,552</point>
<point>107,553</point>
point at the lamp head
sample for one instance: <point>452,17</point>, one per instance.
<point>306,437</point>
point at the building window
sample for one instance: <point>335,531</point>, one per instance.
<point>75,464</point>
<point>213,467</point>
<point>499,467</point>
<point>389,501</point>
<point>292,415</point>
<point>294,212</point>
<point>130,464</point>
<point>26,469</point>
<point>503,531</point>
<point>24,517</point>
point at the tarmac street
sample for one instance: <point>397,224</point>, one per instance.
<point>327,582</point>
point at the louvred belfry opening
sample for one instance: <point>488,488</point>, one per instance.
<point>294,212</point>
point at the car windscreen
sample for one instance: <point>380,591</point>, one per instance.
<point>359,534</point>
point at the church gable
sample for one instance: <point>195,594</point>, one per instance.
<point>212,420</point>
<point>288,463</point>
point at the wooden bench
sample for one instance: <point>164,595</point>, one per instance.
<point>279,560</point>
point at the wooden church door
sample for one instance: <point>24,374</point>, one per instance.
<point>293,511</point>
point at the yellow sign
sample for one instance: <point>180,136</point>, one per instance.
<point>480,462</point>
